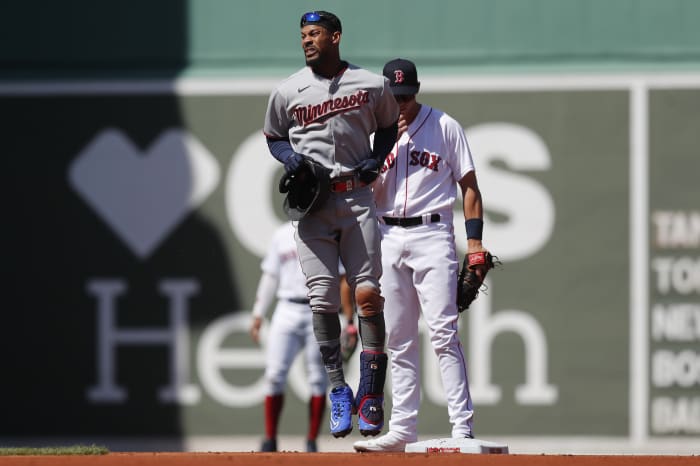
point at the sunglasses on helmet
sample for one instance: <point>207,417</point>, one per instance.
<point>310,17</point>
<point>328,20</point>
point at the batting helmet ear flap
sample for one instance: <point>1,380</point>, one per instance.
<point>307,189</point>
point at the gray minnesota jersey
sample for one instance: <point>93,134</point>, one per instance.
<point>330,120</point>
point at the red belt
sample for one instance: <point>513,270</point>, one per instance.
<point>345,184</point>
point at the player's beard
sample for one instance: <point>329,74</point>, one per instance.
<point>315,61</point>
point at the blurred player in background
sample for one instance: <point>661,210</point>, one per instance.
<point>290,332</point>
<point>415,194</point>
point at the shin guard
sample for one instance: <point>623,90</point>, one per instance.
<point>370,394</point>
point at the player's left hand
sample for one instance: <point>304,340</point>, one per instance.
<point>474,269</point>
<point>367,170</point>
<point>293,163</point>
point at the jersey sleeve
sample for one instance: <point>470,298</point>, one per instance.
<point>272,261</point>
<point>387,111</point>
<point>270,279</point>
<point>265,294</point>
<point>461,161</point>
<point>276,123</point>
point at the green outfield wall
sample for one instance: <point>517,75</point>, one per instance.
<point>162,37</point>
<point>141,198</point>
<point>140,216</point>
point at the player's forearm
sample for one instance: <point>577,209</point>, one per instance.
<point>264,295</point>
<point>472,204</point>
<point>471,195</point>
<point>384,140</point>
<point>473,212</point>
<point>281,149</point>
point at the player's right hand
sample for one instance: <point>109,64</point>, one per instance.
<point>403,125</point>
<point>255,329</point>
<point>367,170</point>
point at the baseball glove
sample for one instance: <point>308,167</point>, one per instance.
<point>474,269</point>
<point>348,341</point>
<point>306,189</point>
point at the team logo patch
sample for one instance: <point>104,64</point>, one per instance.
<point>398,76</point>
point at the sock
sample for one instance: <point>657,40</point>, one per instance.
<point>317,408</point>
<point>273,409</point>
<point>372,332</point>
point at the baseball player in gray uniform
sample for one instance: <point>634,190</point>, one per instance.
<point>415,195</point>
<point>327,111</point>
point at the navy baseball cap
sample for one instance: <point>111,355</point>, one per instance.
<point>402,76</point>
<point>322,18</point>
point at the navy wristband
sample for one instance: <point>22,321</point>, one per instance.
<point>475,228</point>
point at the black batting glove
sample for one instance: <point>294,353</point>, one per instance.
<point>293,163</point>
<point>367,170</point>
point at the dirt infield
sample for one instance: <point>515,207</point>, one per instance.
<point>345,459</point>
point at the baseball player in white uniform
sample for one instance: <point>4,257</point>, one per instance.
<point>415,195</point>
<point>327,111</point>
<point>289,333</point>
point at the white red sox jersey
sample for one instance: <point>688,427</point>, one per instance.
<point>330,120</point>
<point>419,178</point>
<point>282,262</point>
<point>420,175</point>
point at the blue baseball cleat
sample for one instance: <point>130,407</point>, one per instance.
<point>370,415</point>
<point>342,403</point>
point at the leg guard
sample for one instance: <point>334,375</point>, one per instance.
<point>370,394</point>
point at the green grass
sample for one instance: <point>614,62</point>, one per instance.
<point>70,450</point>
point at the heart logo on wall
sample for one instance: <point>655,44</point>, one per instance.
<point>144,196</point>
